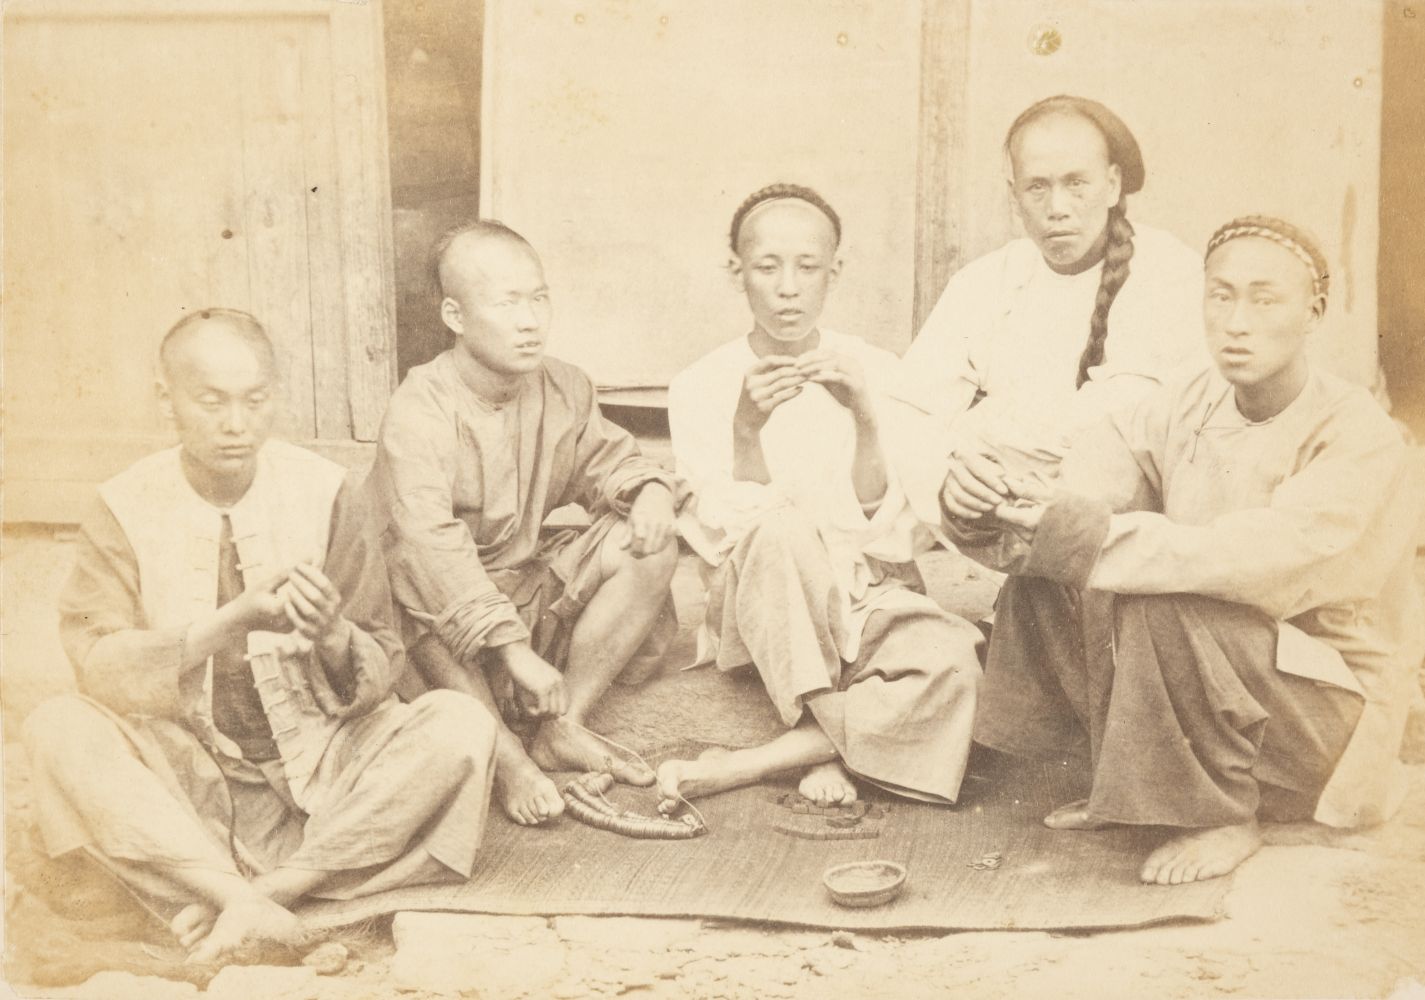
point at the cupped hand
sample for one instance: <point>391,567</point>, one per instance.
<point>974,485</point>
<point>768,384</point>
<point>312,602</point>
<point>841,376</point>
<point>539,688</point>
<point>650,521</point>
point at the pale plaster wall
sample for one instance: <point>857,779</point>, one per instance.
<point>620,135</point>
<point>1240,106</point>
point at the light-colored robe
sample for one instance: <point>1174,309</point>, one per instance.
<point>819,595</point>
<point>995,363</point>
<point>136,772</point>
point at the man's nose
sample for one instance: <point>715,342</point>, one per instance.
<point>787,282</point>
<point>527,319</point>
<point>234,419</point>
<point>1238,321</point>
<point>1058,202</point>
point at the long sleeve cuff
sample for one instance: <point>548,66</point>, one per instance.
<point>362,678</point>
<point>1068,540</point>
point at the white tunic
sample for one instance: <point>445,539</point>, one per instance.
<point>1009,327</point>
<point>809,443</point>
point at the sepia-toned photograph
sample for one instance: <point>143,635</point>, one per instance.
<point>522,499</point>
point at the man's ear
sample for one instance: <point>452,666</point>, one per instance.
<point>165,398</point>
<point>834,271</point>
<point>735,273</point>
<point>1315,313</point>
<point>1115,181</point>
<point>450,315</point>
<point>1014,210</point>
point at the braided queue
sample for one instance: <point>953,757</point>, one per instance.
<point>1124,153</point>
<point>1117,252</point>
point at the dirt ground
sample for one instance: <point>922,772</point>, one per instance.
<point>1314,914</point>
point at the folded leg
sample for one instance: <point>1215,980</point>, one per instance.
<point>400,798</point>
<point>903,715</point>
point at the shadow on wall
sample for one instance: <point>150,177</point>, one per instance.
<point>1402,213</point>
<point>433,66</point>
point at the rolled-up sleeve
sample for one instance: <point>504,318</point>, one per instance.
<point>609,468</point>
<point>434,565</point>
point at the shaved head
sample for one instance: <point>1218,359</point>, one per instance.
<point>456,254</point>
<point>210,330</point>
<point>217,385</point>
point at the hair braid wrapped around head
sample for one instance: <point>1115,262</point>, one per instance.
<point>1117,252</point>
<point>1304,246</point>
<point>776,192</point>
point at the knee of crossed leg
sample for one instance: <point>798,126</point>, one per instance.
<point>64,729</point>
<point>458,728</point>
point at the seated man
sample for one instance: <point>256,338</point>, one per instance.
<point>1219,593</point>
<point>806,538</point>
<point>477,448</point>
<point>236,747</point>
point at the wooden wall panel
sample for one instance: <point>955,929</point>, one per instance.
<point>169,155</point>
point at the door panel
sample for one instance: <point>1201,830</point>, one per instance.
<point>164,158</point>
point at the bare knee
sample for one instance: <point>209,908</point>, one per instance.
<point>654,570</point>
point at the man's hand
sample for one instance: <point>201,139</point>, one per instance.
<point>539,688</point>
<point>974,486</point>
<point>1024,509</point>
<point>841,376</point>
<point>312,603</point>
<point>650,521</point>
<point>313,607</point>
<point>263,606</point>
<point>767,385</point>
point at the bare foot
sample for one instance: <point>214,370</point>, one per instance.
<point>193,923</point>
<point>1074,816</point>
<point>255,920</point>
<point>828,785</point>
<point>1202,854</point>
<point>560,746</point>
<point>525,792</point>
<point>689,779</point>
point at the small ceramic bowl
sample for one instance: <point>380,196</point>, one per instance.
<point>865,883</point>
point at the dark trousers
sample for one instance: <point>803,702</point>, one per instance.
<point>1176,699</point>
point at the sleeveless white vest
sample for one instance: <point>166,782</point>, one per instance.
<point>284,518</point>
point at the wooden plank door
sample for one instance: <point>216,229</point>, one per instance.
<point>162,156</point>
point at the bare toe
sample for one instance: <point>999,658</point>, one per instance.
<point>1201,854</point>
<point>561,745</point>
<point>192,923</point>
<point>827,785</point>
<point>1074,816</point>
